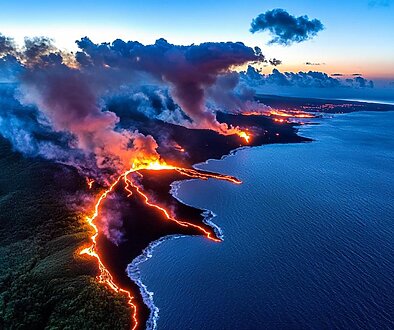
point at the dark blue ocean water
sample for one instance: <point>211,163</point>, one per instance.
<point>308,237</point>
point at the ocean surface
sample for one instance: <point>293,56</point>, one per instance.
<point>308,236</point>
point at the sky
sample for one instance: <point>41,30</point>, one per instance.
<point>357,38</point>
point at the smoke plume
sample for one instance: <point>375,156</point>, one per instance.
<point>66,95</point>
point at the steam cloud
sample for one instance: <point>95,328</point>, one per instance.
<point>65,95</point>
<point>285,28</point>
<point>67,107</point>
<point>188,70</point>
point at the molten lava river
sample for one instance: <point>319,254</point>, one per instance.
<point>130,183</point>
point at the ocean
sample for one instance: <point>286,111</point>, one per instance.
<point>308,236</point>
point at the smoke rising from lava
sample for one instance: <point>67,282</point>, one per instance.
<point>69,91</point>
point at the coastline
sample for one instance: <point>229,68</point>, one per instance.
<point>202,146</point>
<point>217,168</point>
<point>173,186</point>
<point>133,270</point>
<point>143,225</point>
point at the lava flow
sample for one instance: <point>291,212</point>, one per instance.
<point>245,136</point>
<point>280,113</point>
<point>133,186</point>
<point>90,183</point>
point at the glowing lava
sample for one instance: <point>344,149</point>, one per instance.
<point>245,136</point>
<point>291,114</point>
<point>130,187</point>
<point>90,182</point>
<point>280,113</point>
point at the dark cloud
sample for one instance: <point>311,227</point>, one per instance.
<point>188,70</point>
<point>188,83</point>
<point>9,64</point>
<point>36,48</point>
<point>356,74</point>
<point>7,46</point>
<point>337,75</point>
<point>285,28</point>
<point>275,62</point>
<point>314,64</point>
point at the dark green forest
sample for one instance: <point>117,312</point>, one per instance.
<point>44,283</point>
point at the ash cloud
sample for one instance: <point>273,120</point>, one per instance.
<point>188,70</point>
<point>284,28</point>
<point>67,95</point>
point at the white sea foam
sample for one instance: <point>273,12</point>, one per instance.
<point>133,269</point>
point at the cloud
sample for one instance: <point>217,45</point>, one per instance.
<point>7,46</point>
<point>314,64</point>
<point>285,28</point>
<point>360,82</point>
<point>337,75</point>
<point>310,79</point>
<point>188,70</point>
<point>69,94</point>
<point>275,62</point>
<point>356,74</point>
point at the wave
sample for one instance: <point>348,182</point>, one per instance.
<point>133,269</point>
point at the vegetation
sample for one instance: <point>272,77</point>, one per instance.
<point>44,283</point>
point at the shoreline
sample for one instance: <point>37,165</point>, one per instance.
<point>143,225</point>
<point>166,252</point>
<point>202,146</point>
<point>133,270</point>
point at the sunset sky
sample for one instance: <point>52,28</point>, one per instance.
<point>357,35</point>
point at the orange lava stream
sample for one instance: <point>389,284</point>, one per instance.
<point>205,176</point>
<point>166,213</point>
<point>105,276</point>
